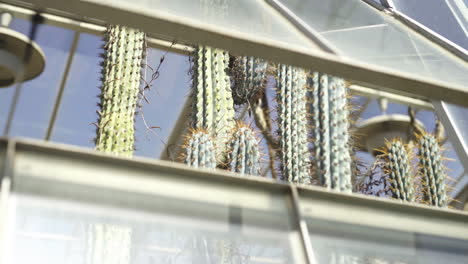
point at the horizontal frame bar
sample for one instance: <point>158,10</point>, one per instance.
<point>187,31</point>
<point>427,215</point>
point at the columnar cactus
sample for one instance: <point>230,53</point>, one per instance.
<point>397,166</point>
<point>292,123</point>
<point>124,52</point>
<point>200,150</point>
<point>123,55</point>
<point>248,76</point>
<point>213,107</point>
<point>244,155</point>
<point>330,132</point>
<point>432,170</point>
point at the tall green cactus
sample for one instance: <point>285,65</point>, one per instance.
<point>248,76</point>
<point>432,170</point>
<point>397,166</point>
<point>244,155</point>
<point>213,107</point>
<point>123,55</point>
<point>124,52</point>
<point>330,132</point>
<point>200,150</point>
<point>292,123</point>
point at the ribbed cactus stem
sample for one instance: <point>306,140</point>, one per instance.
<point>397,165</point>
<point>432,170</point>
<point>292,123</point>
<point>121,75</point>
<point>200,150</point>
<point>213,107</point>
<point>330,134</point>
<point>123,55</point>
<point>249,79</point>
<point>244,156</point>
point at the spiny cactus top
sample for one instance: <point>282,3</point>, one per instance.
<point>397,165</point>
<point>213,107</point>
<point>330,132</point>
<point>244,155</point>
<point>200,150</point>
<point>124,52</point>
<point>248,76</point>
<point>432,170</point>
<point>292,123</point>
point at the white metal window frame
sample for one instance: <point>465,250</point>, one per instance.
<point>157,23</point>
<point>52,170</point>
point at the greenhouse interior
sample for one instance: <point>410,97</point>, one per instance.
<point>296,131</point>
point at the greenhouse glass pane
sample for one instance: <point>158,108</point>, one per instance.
<point>448,18</point>
<point>77,208</point>
<point>459,120</point>
<point>54,231</point>
<point>252,17</point>
<point>342,243</point>
<point>361,32</point>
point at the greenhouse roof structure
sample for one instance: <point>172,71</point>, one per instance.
<point>395,55</point>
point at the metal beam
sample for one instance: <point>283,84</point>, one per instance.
<point>63,82</point>
<point>157,23</point>
<point>376,94</point>
<point>89,28</point>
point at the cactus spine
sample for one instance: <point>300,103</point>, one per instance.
<point>249,79</point>
<point>213,108</point>
<point>397,165</point>
<point>244,156</point>
<point>121,73</point>
<point>432,170</point>
<point>330,132</point>
<point>200,150</point>
<point>292,123</point>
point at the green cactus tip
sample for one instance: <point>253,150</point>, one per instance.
<point>244,155</point>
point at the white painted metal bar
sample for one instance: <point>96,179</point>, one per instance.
<point>63,83</point>
<point>162,24</point>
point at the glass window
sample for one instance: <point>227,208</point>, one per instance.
<point>334,242</point>
<point>448,18</point>
<point>363,33</point>
<point>87,209</point>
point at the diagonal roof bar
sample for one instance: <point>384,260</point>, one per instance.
<point>303,27</point>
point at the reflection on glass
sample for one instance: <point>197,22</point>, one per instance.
<point>363,33</point>
<point>448,18</point>
<point>52,231</point>
<point>351,244</point>
<point>246,16</point>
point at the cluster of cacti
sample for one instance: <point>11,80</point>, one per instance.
<point>398,168</point>
<point>292,123</point>
<point>124,52</point>
<point>244,154</point>
<point>432,170</point>
<point>212,103</point>
<point>248,76</point>
<point>200,150</point>
<point>213,118</point>
<point>330,133</point>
